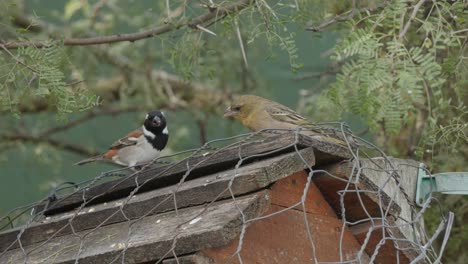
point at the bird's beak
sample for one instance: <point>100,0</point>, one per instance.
<point>157,121</point>
<point>229,112</point>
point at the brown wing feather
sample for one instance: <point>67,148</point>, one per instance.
<point>110,153</point>
<point>285,114</point>
<point>128,140</point>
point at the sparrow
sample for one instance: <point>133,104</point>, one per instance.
<point>140,146</point>
<point>257,113</point>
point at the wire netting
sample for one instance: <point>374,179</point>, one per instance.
<point>359,149</point>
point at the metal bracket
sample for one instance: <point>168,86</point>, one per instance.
<point>447,183</point>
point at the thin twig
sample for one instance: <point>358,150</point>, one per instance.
<point>269,9</point>
<point>460,31</point>
<point>315,75</point>
<point>27,23</point>
<point>86,117</point>
<point>213,13</point>
<point>346,16</point>
<point>205,30</point>
<point>17,60</point>
<point>168,8</point>
<point>260,11</point>
<point>74,83</point>
<point>241,43</point>
<point>96,9</point>
<point>413,15</point>
<point>53,142</point>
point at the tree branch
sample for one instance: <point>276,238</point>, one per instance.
<point>17,60</point>
<point>194,94</point>
<point>408,23</point>
<point>346,16</point>
<point>90,115</point>
<point>26,23</point>
<point>52,142</point>
<point>213,13</point>
<point>315,75</point>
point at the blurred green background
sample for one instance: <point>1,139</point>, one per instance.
<point>399,82</point>
<point>35,169</point>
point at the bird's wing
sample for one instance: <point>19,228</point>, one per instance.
<point>128,140</point>
<point>285,114</point>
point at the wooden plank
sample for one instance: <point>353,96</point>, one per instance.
<point>202,165</point>
<point>403,195</point>
<point>189,259</point>
<point>289,191</point>
<point>378,173</point>
<point>283,237</point>
<point>150,238</point>
<point>394,249</point>
<point>325,152</point>
<point>384,250</point>
<point>356,207</point>
<point>362,200</point>
<point>247,179</point>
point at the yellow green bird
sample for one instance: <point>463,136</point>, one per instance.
<point>257,113</point>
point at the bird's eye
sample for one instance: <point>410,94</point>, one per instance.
<point>236,108</point>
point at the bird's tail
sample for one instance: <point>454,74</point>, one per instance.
<point>88,160</point>
<point>326,136</point>
<point>335,140</point>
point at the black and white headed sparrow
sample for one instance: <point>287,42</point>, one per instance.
<point>140,146</point>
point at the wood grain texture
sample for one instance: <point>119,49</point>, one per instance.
<point>289,191</point>
<point>151,237</point>
<point>385,253</point>
<point>189,259</point>
<point>201,165</point>
<point>361,200</point>
<point>246,179</point>
<point>389,203</point>
<point>283,237</point>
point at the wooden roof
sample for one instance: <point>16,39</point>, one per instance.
<point>204,201</point>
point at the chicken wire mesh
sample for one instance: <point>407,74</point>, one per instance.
<point>421,242</point>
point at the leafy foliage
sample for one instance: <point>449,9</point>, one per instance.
<point>395,79</point>
<point>190,52</point>
<point>34,74</point>
<point>409,87</point>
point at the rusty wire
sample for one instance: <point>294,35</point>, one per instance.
<point>359,149</point>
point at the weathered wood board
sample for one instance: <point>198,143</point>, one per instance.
<point>145,223</point>
<point>289,191</point>
<point>150,238</point>
<point>283,237</point>
<point>189,259</point>
<point>362,198</point>
<point>393,202</point>
<point>384,251</point>
<point>403,194</point>
<point>200,165</point>
<point>246,179</point>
